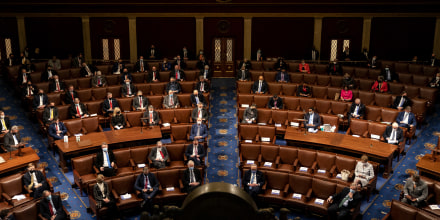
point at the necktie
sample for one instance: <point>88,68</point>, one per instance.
<point>199,114</point>
<point>197,100</point>
<point>401,101</point>
<point>99,80</point>
<point>334,68</point>
<point>151,117</point>
<point>198,130</point>
<point>243,74</point>
<point>154,75</point>
<point>108,160</point>
<point>51,114</point>
<point>192,178</point>
<point>140,102</point>
<point>142,66</point>
<point>51,208</point>
<point>275,104</point>
<point>282,76</point>
<point>71,94</point>
<point>4,125</point>
<point>128,90</point>
<point>15,139</point>
<point>111,105</point>
<point>343,201</point>
<point>161,154</point>
<point>356,110</point>
<point>177,74</point>
<point>77,110</point>
<point>56,127</point>
<point>204,75</point>
<point>29,91</point>
<point>195,151</point>
<point>88,71</point>
<point>146,183</point>
<point>405,118</point>
<point>171,100</point>
<point>58,86</point>
<point>252,180</point>
<point>201,87</point>
<point>311,119</point>
<point>393,135</point>
<point>24,78</point>
<point>259,87</point>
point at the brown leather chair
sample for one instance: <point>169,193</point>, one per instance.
<point>420,80</point>
<point>187,86</point>
<point>395,88</point>
<point>133,119</point>
<point>179,134</point>
<point>138,77</point>
<point>275,181</point>
<point>74,126</point>
<point>400,210</point>
<point>358,127</point>
<point>321,190</point>
<point>332,91</point>
<point>319,92</point>
<point>275,88</point>
<point>72,82</point>
<point>429,94</point>
<point>29,211</point>
<point>306,103</point>
<point>92,202</point>
<point>184,100</point>
<point>139,155</point>
<point>257,65</point>
<point>166,116</point>
<point>64,74</point>
<point>240,115</point>
<point>323,106</point>
<point>339,108</point>
<point>43,85</point>
<point>267,132</point>
<point>374,73</point>
<point>54,97</point>
<point>382,100</point>
<point>145,88</point>
<point>90,125</point>
<point>99,93</point>
<point>84,172</point>
<point>415,68</point>
<point>269,153</point>
<point>389,114</point>
<point>325,165</point>
<point>302,185</point>
<point>164,76</point>
<point>115,90</point>
<point>244,87</point>
<point>344,163</point>
<point>264,116</point>
<point>293,67</point>
<point>290,89</point>
<point>13,185</point>
<point>412,91</point>
<point>400,67</point>
<point>158,88</point>
<point>63,112</point>
<point>322,80</point>
<point>168,179</point>
<point>75,73</point>
<point>361,72</point>
<point>405,78</point>
<point>126,104</point>
<point>288,159</point>
<point>113,80</point>
<point>249,153</point>
<point>336,81</point>
<point>125,185</point>
<point>84,83</point>
<point>419,109</point>
<point>348,69</point>
<point>320,68</point>
<point>373,113</point>
<point>85,95</point>
<point>376,128</point>
<point>261,100</point>
<point>191,75</point>
<point>248,132</point>
<point>367,97</point>
<point>183,115</point>
<point>268,65</point>
<point>292,115</point>
<point>291,103</point>
<point>306,159</point>
<point>333,120</point>
<point>105,69</point>
<point>93,107</point>
<point>429,70</point>
<point>296,78</point>
<point>279,118</point>
<point>310,79</point>
<point>245,99</point>
<point>123,162</point>
<point>365,84</point>
<point>269,76</point>
<point>156,101</point>
<point>177,156</point>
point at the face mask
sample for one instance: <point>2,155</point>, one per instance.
<point>199,122</point>
<point>334,62</point>
<point>253,171</point>
<point>150,112</point>
<point>13,133</point>
<point>352,190</point>
<point>32,171</point>
<point>118,113</point>
<point>49,197</point>
<point>387,68</point>
<point>128,83</point>
<point>104,149</point>
<point>191,168</point>
<point>2,117</point>
<point>437,78</point>
<point>52,106</point>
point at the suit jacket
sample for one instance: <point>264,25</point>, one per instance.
<point>186,177</point>
<point>332,67</point>
<point>124,89</point>
<point>434,83</point>
<point>118,120</point>
<point>115,67</point>
<point>27,179</point>
<point>286,76</point>
<point>208,75</point>
<point>20,78</point>
<point>411,118</point>
<point>203,131</point>
<point>279,66</point>
<point>53,86</point>
<point>205,87</point>
<point>95,81</point>
<point>44,207</point>
<point>190,149</point>
<point>165,66</point>
<point>56,65</point>
<point>182,64</point>
<point>166,101</point>
<point>46,114</point>
<point>350,83</point>
<point>301,90</point>
<point>406,102</point>
<point>153,152</point>
<point>7,123</point>
<point>338,197</point>
<point>73,110</point>
<point>361,110</point>
<point>246,75</point>
<point>83,72</point>
<point>100,158</point>
<point>195,115</point>
<point>305,66</point>
<point>181,72</point>
<point>53,131</point>
<point>201,99</point>
<point>384,87</point>
<point>155,54</point>
<point>36,100</point>
<point>201,64</point>
<point>137,104</point>
<point>316,119</point>
<point>100,196</point>
<point>399,133</point>
<point>126,75</point>
<point>25,91</point>
<point>106,104</point>
<point>140,182</point>
<point>156,117</point>
<point>45,75</point>
<point>264,86</point>
<point>420,192</point>
<point>8,140</point>
<point>76,62</point>
<point>248,114</point>
<point>247,179</point>
<point>394,75</point>
<point>68,99</point>
<point>150,76</point>
<point>271,103</point>
<point>316,55</point>
<point>247,65</point>
<point>176,85</point>
<point>137,66</point>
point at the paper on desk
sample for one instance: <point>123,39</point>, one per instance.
<point>297,196</point>
<point>2,160</point>
<point>294,124</point>
<point>278,125</point>
<point>141,165</point>
<point>93,115</point>
<point>319,201</point>
<point>392,141</point>
<point>244,105</point>
<point>267,164</point>
<point>355,135</point>
<point>19,197</point>
<point>76,135</point>
<point>311,130</point>
<point>261,123</point>
<point>248,141</point>
<point>434,207</point>
<point>170,189</point>
<point>303,169</point>
<point>275,192</point>
<point>126,196</point>
<point>166,124</point>
<point>375,136</point>
<point>265,139</point>
<point>321,171</point>
<point>339,176</point>
<point>249,162</point>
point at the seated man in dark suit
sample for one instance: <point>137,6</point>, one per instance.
<point>151,116</point>
<point>165,65</point>
<point>335,68</point>
<point>141,65</point>
<point>48,75</point>
<point>246,64</point>
<point>199,131</point>
<point>158,156</point>
<point>253,181</point>
<point>179,62</point>
<point>178,74</point>
<point>87,70</point>
<point>389,75</point>
<point>35,181</point>
<point>24,77</point>
<point>148,185</point>
<point>406,119</point>
<point>243,74</point>
<point>40,100</point>
<point>55,85</point>
<point>173,85</point>
<point>127,89</point>
<point>11,139</point>
<point>51,207</point>
<point>50,113</point>
<point>191,177</point>
<point>202,85</point>
<point>99,80</point>
<point>435,82</point>
<point>78,109</point>
<point>153,75</point>
<point>29,89</point>
<point>275,103</point>
<point>195,152</point>
<point>206,73</point>
<point>282,76</point>
<point>57,130</point>
<point>357,109</point>
<point>5,123</point>
<point>105,161</point>
<point>280,64</point>
<point>415,191</point>
<point>140,102</point>
<point>70,95</point>
<point>118,67</point>
<point>170,100</point>
<point>126,75</point>
<point>197,98</point>
<point>342,202</point>
<point>393,134</point>
<point>199,112</point>
<point>109,104</point>
<point>304,90</point>
<point>260,86</point>
<point>313,120</point>
<point>402,101</point>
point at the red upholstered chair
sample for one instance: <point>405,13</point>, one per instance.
<point>275,187</point>
<point>301,186</point>
<point>321,190</point>
<point>288,159</point>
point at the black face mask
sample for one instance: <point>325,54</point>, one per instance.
<point>52,106</point>
<point>118,113</point>
<point>32,171</point>
<point>14,133</point>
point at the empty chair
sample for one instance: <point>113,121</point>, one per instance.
<point>373,113</point>
<point>306,103</point>
<point>365,84</point>
<point>291,103</point>
<point>274,187</point>
<point>244,87</point>
<point>325,164</point>
<point>288,159</point>
<point>54,97</point>
<point>126,104</point>
<point>289,89</point>
<point>183,115</point>
<point>115,90</point>
<point>415,68</point>
<point>420,80</point>
<point>184,100</point>
<point>113,80</point>
<point>358,128</point>
<point>374,73</point>
<point>275,88</point>
<point>84,171</point>
<point>139,157</point>
<point>310,79</point>
<point>322,80</point>
<point>248,133</point>
<point>166,117</point>
<point>93,107</point>
<point>269,157</point>
<point>319,92</point>
<point>158,88</point>
<point>336,81</point>
<point>406,78</point>
<point>249,154</point>
<point>84,83</point>
<point>360,72</point>
<point>171,185</point>
<point>245,99</point>
<point>306,162</point>
<point>323,106</point>
<point>334,93</point>
<point>296,78</point>
<point>156,101</point>
<point>133,119</point>
<point>332,120</point>
<point>293,115</point>
<point>179,133</point>
<point>145,88</point>
<point>412,91</point>
<point>279,118</point>
<point>267,134</point>
<point>389,115</point>
<point>99,93</point>
<point>125,185</point>
<point>261,100</point>
<point>320,68</point>
<point>344,163</point>
<point>401,67</point>
<point>187,86</point>
<point>367,97</point>
<point>269,76</point>
<point>395,88</point>
<point>348,69</point>
<point>74,126</point>
<point>85,95</point>
<point>382,100</point>
<point>264,116</point>
<point>90,125</point>
<point>299,192</point>
<point>138,77</point>
<point>176,154</point>
<point>123,163</point>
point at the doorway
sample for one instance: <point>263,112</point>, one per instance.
<point>223,57</point>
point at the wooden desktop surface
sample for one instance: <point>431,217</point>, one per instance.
<point>427,166</point>
<point>29,156</point>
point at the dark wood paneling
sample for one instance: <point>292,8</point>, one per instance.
<point>223,27</point>
<point>9,30</point>
<point>290,38</point>
<point>109,27</point>
<point>169,35</point>
<point>341,28</point>
<point>54,36</point>
<point>402,38</point>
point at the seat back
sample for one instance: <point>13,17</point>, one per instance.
<point>420,80</point>
<point>269,153</point>
<point>12,185</point>
<point>319,92</point>
<point>400,210</point>
<point>275,88</point>
<point>245,99</point>
<point>158,88</point>
<point>269,76</point>
<point>155,101</point>
<point>168,178</point>
<point>94,107</point>
<point>176,151</point>
<point>99,93</point>
<point>250,151</point>
<point>336,81</point>
<point>266,132</point>
<point>366,97</point>
<point>419,106</point>
<point>365,84</point>
<point>139,155</point>
<point>358,127</point>
<point>289,89</point>
<point>323,189</point>
<point>191,75</point>
<point>306,157</point>
<point>261,100</point>
<point>124,184</point>
<point>183,115</point>
<point>73,126</point>
<point>376,128</point>
<point>401,67</point>
<point>382,100</point>
<point>244,87</point>
<point>264,115</point>
<point>184,100</point>
<point>112,80</point>
<point>187,86</point>
<point>115,90</point>
<point>248,132</point>
<point>322,80</point>
<point>306,103</point>
<point>179,132</point>
<point>166,115</point>
<point>310,79</point>
<point>257,65</point>
<point>332,91</point>
<point>360,72</point>
<point>389,114</point>
<point>63,112</point>
<point>373,113</point>
<point>64,74</point>
<point>429,94</point>
<point>26,212</point>
<point>279,116</point>
<point>84,83</point>
<point>138,77</point>
<point>144,87</point>
<point>91,124</point>
<point>323,106</point>
<point>134,118</point>
<point>122,157</point>
<point>85,95</point>
<point>69,82</point>
<point>300,184</point>
<point>125,104</point>
<point>395,88</point>
<point>320,68</point>
<point>288,155</point>
<point>339,108</point>
<point>325,160</point>
<point>333,120</point>
<point>291,103</point>
<point>54,97</point>
<point>276,180</point>
<point>429,70</point>
<point>412,91</point>
<point>345,163</point>
<point>292,115</point>
<point>415,68</point>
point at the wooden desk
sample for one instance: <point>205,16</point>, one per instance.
<point>29,156</point>
<point>66,150</point>
<point>428,167</point>
<point>380,151</point>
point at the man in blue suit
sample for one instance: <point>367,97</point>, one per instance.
<point>57,130</point>
<point>313,120</point>
<point>406,118</point>
<point>198,131</point>
<point>148,185</point>
<point>195,152</point>
<point>282,76</point>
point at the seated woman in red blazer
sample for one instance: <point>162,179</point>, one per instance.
<point>304,67</point>
<point>379,85</point>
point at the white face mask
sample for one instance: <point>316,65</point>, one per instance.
<point>438,77</point>
<point>104,149</point>
<point>128,83</point>
<point>2,117</point>
<point>260,81</point>
<point>334,62</point>
<point>150,112</point>
<point>199,122</point>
